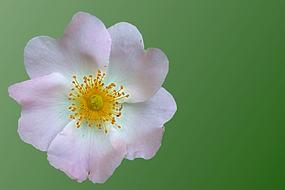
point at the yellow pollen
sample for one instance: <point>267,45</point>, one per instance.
<point>95,104</point>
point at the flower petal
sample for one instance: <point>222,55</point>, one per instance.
<point>141,71</point>
<point>88,35</point>
<point>105,155</point>
<point>43,100</point>
<point>86,152</point>
<point>142,124</point>
<point>84,47</point>
<point>69,152</point>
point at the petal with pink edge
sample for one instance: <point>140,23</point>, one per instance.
<point>43,103</point>
<point>142,124</point>
<point>141,71</point>
<point>83,49</point>
<point>86,153</point>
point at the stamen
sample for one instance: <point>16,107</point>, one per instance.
<point>95,104</point>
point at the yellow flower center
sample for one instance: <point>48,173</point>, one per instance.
<point>94,103</point>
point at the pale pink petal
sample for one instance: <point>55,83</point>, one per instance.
<point>45,55</point>
<point>83,49</point>
<point>141,71</point>
<point>86,34</point>
<point>142,124</point>
<point>105,155</point>
<point>86,152</point>
<point>43,103</point>
<point>69,152</point>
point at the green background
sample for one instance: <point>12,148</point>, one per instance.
<point>226,74</point>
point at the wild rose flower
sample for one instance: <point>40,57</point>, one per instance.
<point>94,98</point>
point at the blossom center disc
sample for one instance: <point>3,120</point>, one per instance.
<point>94,103</point>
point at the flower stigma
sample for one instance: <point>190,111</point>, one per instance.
<point>94,103</point>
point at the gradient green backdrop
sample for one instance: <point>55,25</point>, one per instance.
<point>226,74</point>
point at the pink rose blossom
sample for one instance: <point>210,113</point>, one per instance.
<point>94,98</point>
